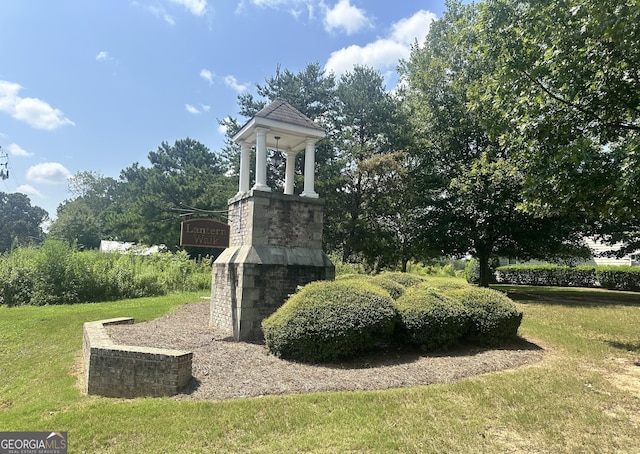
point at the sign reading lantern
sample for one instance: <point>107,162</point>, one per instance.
<point>204,233</point>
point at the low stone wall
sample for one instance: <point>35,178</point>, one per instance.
<point>127,371</point>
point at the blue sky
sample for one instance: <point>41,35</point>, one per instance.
<point>94,85</point>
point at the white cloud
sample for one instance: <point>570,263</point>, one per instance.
<point>48,172</point>
<point>33,111</point>
<point>207,75</point>
<point>17,150</point>
<point>194,110</point>
<point>385,53</point>
<point>380,54</point>
<point>157,11</point>
<point>195,7</point>
<point>293,7</point>
<point>29,190</point>
<point>103,55</point>
<point>346,17</point>
<point>233,83</point>
<point>191,109</point>
<point>413,28</point>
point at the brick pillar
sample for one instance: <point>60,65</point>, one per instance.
<point>275,245</point>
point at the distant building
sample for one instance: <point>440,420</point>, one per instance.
<point>126,247</point>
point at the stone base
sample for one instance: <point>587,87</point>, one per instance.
<point>129,371</point>
<point>251,282</point>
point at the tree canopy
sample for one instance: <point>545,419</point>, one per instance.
<point>567,82</point>
<point>514,131</point>
<point>472,186</point>
<point>20,222</point>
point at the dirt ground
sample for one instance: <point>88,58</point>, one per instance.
<point>225,369</point>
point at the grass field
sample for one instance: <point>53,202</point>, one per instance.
<point>583,397</point>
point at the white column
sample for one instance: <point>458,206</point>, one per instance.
<point>245,155</point>
<point>309,169</point>
<point>290,172</point>
<point>261,160</point>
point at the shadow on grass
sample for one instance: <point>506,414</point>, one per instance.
<point>626,346</point>
<point>582,297</point>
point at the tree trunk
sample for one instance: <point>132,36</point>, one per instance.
<point>485,272</point>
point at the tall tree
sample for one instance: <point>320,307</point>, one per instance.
<point>83,219</point>
<point>359,166</point>
<point>364,133</point>
<point>472,190</point>
<point>20,222</point>
<point>567,80</point>
<point>184,177</point>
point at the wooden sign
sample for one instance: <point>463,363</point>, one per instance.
<point>204,233</point>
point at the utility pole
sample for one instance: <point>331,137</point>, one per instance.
<point>4,165</point>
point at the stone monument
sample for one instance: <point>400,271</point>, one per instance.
<point>275,240</point>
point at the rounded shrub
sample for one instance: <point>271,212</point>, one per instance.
<point>440,283</point>
<point>493,318</point>
<point>429,319</point>
<point>330,320</point>
<point>405,279</point>
<point>394,288</point>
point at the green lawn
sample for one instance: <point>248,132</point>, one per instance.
<point>583,397</point>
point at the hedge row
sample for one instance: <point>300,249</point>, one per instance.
<point>331,320</point>
<point>609,277</point>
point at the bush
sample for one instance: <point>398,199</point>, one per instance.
<point>548,275</point>
<point>472,271</point>
<point>619,277</point>
<point>329,320</point>
<point>57,273</point>
<point>444,284</point>
<point>492,318</point>
<point>429,319</point>
<point>405,279</point>
<point>394,288</point>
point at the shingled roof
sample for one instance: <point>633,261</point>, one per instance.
<point>281,110</point>
<point>289,129</point>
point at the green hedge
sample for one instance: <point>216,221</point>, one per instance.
<point>330,320</point>
<point>429,319</point>
<point>609,277</point>
<point>405,279</point>
<point>492,317</point>
<point>549,275</point>
<point>619,277</point>
<point>395,289</point>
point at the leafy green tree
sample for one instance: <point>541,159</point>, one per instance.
<point>78,223</point>
<point>567,81</point>
<point>471,189</point>
<point>83,219</point>
<point>365,129</point>
<point>184,178</point>
<point>20,223</point>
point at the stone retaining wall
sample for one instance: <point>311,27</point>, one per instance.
<point>127,371</point>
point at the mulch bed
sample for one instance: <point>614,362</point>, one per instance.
<point>225,369</point>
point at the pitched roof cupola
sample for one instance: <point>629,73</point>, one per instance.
<point>278,126</point>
